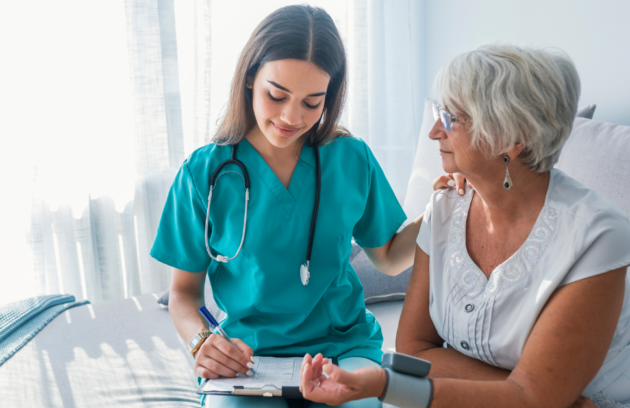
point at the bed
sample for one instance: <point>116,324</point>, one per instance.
<point>123,353</point>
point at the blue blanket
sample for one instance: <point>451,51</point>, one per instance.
<point>21,321</point>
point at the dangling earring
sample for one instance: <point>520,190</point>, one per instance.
<point>507,181</point>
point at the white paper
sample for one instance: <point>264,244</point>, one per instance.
<point>273,373</point>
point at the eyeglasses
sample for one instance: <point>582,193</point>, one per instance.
<point>447,118</point>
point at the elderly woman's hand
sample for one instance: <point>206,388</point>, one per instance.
<point>451,180</point>
<point>329,384</point>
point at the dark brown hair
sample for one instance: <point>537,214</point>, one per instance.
<point>298,32</point>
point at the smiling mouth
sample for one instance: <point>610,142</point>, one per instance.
<point>285,131</point>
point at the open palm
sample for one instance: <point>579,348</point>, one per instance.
<point>339,386</point>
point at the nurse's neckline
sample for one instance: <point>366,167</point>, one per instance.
<point>257,164</point>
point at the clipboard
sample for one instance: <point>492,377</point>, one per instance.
<point>278,377</point>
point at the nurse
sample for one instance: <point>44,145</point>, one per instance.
<point>285,103</point>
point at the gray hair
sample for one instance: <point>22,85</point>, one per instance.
<point>512,95</point>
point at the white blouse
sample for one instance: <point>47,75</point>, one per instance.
<point>578,234</point>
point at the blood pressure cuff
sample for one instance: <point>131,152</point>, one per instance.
<point>407,391</point>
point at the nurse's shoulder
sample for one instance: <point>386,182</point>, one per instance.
<point>203,161</point>
<point>352,151</point>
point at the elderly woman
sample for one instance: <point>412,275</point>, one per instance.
<point>517,295</point>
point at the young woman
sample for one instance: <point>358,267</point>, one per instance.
<point>278,255</point>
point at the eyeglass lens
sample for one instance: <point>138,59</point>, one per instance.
<point>444,116</point>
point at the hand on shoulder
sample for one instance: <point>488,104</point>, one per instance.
<point>451,180</point>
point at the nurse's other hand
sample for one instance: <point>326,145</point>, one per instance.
<point>451,180</point>
<point>340,386</point>
<point>218,358</point>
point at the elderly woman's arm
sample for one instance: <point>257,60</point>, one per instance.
<point>564,351</point>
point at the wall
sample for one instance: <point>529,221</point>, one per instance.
<point>596,34</point>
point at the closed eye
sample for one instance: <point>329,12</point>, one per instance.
<point>275,99</point>
<point>312,106</point>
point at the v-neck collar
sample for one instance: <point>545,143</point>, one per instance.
<point>286,197</point>
<point>519,264</point>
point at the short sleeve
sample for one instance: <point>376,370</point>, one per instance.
<point>424,237</point>
<point>180,240</point>
<point>606,247</point>
<point>383,214</point>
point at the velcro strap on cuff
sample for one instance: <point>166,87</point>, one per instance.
<point>407,391</point>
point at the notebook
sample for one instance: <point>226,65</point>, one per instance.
<point>277,377</point>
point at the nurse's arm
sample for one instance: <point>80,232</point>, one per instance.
<point>397,254</point>
<point>184,300</point>
<point>216,356</point>
<point>418,337</point>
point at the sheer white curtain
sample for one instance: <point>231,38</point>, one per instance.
<point>94,128</point>
<point>92,137</point>
<point>385,46</point>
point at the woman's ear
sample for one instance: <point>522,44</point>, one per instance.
<point>515,150</point>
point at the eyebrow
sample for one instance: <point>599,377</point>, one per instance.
<point>286,90</point>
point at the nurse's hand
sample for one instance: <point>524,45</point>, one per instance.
<point>583,402</point>
<point>451,180</point>
<point>340,386</point>
<point>218,358</point>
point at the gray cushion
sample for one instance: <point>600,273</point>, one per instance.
<point>586,112</point>
<point>598,155</point>
<point>163,298</point>
<point>377,286</point>
<point>388,315</point>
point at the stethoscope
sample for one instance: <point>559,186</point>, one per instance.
<point>305,275</point>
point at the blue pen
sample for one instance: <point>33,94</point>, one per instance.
<point>212,322</point>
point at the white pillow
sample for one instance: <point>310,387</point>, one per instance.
<point>426,167</point>
<point>597,155</point>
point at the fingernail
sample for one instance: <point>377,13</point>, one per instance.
<point>252,358</point>
<point>250,373</point>
<point>451,183</point>
<point>327,368</point>
<point>250,365</point>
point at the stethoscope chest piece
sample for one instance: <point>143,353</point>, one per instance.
<point>305,275</point>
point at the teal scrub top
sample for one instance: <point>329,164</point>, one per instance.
<point>260,290</point>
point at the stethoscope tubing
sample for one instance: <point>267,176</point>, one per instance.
<point>214,178</point>
<point>221,258</point>
<point>318,187</point>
